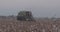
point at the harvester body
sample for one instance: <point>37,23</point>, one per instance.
<point>25,16</point>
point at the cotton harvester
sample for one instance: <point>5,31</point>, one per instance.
<point>25,16</point>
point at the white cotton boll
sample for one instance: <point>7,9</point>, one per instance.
<point>54,26</point>
<point>0,30</point>
<point>58,30</point>
<point>43,30</point>
<point>32,31</point>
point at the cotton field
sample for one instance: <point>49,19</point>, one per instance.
<point>13,25</point>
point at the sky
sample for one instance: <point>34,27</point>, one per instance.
<point>39,8</point>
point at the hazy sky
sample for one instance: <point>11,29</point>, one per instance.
<point>40,8</point>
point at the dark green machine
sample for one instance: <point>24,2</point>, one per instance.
<point>25,16</point>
